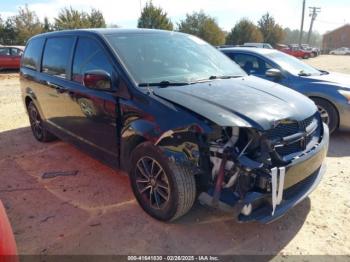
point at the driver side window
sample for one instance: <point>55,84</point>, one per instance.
<point>89,56</point>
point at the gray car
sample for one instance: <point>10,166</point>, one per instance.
<point>330,91</point>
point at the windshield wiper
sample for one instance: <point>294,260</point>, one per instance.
<point>213,77</point>
<point>224,77</point>
<point>164,83</point>
<point>323,72</point>
<point>302,73</point>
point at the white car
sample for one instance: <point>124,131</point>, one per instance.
<point>340,51</point>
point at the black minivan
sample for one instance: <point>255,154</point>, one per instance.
<point>180,117</point>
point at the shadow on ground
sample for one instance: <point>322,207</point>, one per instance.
<point>339,144</point>
<point>94,212</point>
<point>9,71</point>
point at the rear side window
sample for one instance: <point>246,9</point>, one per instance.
<point>16,52</point>
<point>4,51</point>
<point>56,56</point>
<point>89,56</point>
<point>32,53</point>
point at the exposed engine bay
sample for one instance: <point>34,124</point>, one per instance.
<point>251,173</point>
<point>244,160</point>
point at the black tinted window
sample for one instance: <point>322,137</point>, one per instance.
<point>89,56</point>
<point>32,53</point>
<point>252,64</point>
<point>56,55</point>
<point>4,51</point>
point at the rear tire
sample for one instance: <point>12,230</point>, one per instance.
<point>39,131</point>
<point>164,189</point>
<point>329,113</point>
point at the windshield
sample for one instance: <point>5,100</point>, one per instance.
<point>172,57</point>
<point>292,64</point>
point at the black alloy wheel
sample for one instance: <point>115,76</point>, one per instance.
<point>36,123</point>
<point>165,189</point>
<point>152,182</point>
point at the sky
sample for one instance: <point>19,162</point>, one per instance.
<point>124,13</point>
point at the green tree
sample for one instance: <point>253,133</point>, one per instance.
<point>244,31</point>
<point>96,19</point>
<point>271,31</point>
<point>154,17</point>
<point>1,30</point>
<point>27,24</point>
<point>203,26</point>
<point>69,18</point>
<point>47,26</point>
<point>9,34</point>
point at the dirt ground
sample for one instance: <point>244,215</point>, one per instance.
<point>95,212</point>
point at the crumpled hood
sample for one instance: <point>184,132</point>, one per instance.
<point>335,79</point>
<point>245,102</point>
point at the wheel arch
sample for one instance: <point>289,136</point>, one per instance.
<point>127,146</point>
<point>330,102</point>
<point>27,100</point>
<point>178,145</point>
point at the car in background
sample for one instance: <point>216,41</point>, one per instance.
<point>340,51</point>
<point>295,51</point>
<point>183,124</point>
<point>329,91</point>
<point>10,57</point>
<point>314,50</point>
<point>259,45</point>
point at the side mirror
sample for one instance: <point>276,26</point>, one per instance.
<point>97,79</point>
<point>274,73</point>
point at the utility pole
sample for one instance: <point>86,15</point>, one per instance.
<point>302,24</point>
<point>313,14</point>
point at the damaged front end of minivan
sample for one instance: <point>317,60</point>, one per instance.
<point>252,173</point>
<point>261,154</point>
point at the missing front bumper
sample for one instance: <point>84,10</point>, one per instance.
<point>290,185</point>
<point>293,196</point>
<point>298,179</point>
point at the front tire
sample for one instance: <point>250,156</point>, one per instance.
<point>328,113</point>
<point>164,189</point>
<point>39,131</point>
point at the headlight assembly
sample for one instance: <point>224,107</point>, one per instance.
<point>346,94</point>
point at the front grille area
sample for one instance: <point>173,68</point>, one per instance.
<point>290,128</point>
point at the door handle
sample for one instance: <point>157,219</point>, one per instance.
<point>58,88</point>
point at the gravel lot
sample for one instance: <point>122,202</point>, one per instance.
<point>95,212</point>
